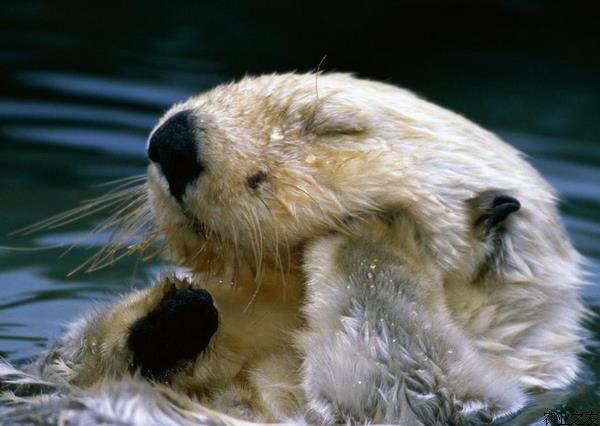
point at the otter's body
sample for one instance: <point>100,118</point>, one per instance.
<point>371,258</point>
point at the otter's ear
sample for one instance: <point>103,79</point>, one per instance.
<point>491,210</point>
<point>329,118</point>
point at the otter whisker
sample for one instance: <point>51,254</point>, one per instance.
<point>261,249</point>
<point>257,244</point>
<point>317,73</point>
<point>278,261</point>
<point>291,213</point>
<point>316,203</point>
<point>237,261</point>
<point>130,220</point>
<point>124,181</point>
<point>114,194</point>
<point>106,256</point>
<point>108,260</point>
<point>155,253</point>
<point>129,212</point>
<point>49,247</point>
<point>280,201</point>
<point>253,236</point>
<point>83,265</point>
<point>340,221</point>
<point>130,216</point>
<point>279,265</point>
<point>132,226</point>
<point>121,217</point>
<point>136,266</point>
<point>200,250</point>
<point>66,217</point>
<point>299,188</point>
<point>99,263</point>
<point>88,208</point>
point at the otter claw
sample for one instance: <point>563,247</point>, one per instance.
<point>502,207</point>
<point>491,209</point>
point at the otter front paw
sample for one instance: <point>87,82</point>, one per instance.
<point>177,330</point>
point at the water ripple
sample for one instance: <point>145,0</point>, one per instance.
<point>105,88</point>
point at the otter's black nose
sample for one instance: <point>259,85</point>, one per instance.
<point>174,147</point>
<point>178,329</point>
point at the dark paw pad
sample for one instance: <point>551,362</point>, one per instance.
<point>178,329</point>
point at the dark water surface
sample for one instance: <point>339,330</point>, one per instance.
<point>81,87</point>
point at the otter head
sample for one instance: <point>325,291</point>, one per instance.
<point>248,173</point>
<point>253,170</point>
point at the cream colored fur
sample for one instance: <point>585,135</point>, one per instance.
<point>353,284</point>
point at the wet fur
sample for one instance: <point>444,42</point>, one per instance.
<point>339,230</point>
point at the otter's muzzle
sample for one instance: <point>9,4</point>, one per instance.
<point>174,147</point>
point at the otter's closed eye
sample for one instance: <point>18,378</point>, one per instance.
<point>332,119</point>
<point>336,128</point>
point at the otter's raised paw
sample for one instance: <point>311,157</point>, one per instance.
<point>178,329</point>
<point>491,210</point>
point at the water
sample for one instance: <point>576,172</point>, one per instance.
<point>81,87</point>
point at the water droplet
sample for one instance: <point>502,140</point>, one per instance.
<point>372,286</point>
<point>310,158</point>
<point>387,146</point>
<point>94,344</point>
<point>348,286</point>
<point>394,340</point>
<point>276,134</point>
<point>359,382</point>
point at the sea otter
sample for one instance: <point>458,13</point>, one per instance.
<point>354,254</point>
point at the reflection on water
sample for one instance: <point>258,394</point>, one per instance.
<point>77,104</point>
<point>134,92</point>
